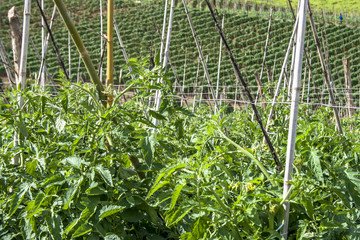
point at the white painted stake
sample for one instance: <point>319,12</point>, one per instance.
<point>167,50</point>
<point>22,71</point>
<point>219,64</point>
<point>296,87</point>
<point>43,40</point>
<point>101,39</point>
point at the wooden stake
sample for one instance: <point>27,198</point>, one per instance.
<point>317,43</point>
<point>15,34</point>
<point>6,62</point>
<point>201,55</point>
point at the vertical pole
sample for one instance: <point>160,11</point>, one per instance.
<point>15,33</point>
<point>166,55</point>
<point>43,40</point>
<point>101,38</point>
<point>348,90</point>
<point>110,54</point>
<point>219,64</point>
<point>300,37</point>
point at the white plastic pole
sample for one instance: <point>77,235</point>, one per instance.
<point>296,88</point>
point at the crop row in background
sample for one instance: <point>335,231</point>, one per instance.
<point>140,28</point>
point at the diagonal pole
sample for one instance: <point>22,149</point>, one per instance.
<point>247,91</point>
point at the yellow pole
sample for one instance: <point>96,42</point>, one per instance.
<point>110,55</point>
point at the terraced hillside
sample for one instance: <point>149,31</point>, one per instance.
<point>140,24</point>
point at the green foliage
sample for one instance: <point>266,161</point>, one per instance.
<point>89,172</point>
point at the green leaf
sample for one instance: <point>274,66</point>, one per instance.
<point>179,128</point>
<point>82,230</point>
<point>95,189</point>
<point>148,149</point>
<point>110,210</point>
<point>105,174</point>
<point>28,231</point>
<point>22,129</point>
<point>64,102</point>
<point>156,115</point>
<point>199,228</point>
<point>308,206</point>
<point>18,197</point>
<point>60,124</point>
<point>70,193</point>
<point>155,188</point>
<point>177,215</point>
<point>73,161</point>
<point>55,226</point>
<point>53,180</point>
<point>175,195</point>
<point>316,165</point>
<point>32,210</point>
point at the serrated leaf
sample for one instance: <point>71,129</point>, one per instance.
<point>73,161</point>
<point>148,149</point>
<point>70,193</point>
<point>175,195</point>
<point>110,210</point>
<point>17,198</point>
<point>308,206</point>
<point>82,230</point>
<point>156,115</point>
<point>105,174</point>
<point>316,164</point>
<point>32,208</point>
<point>53,180</point>
<point>60,124</point>
<point>177,215</point>
<point>55,226</point>
<point>157,187</point>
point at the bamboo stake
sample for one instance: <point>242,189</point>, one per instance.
<point>6,62</point>
<point>53,41</point>
<point>317,43</point>
<point>239,76</point>
<point>78,71</point>
<point>300,38</point>
<point>14,23</point>
<point>81,49</point>
<point>43,56</point>
<point>167,50</point>
<point>219,64</point>
<point>281,74</point>
<point>110,53</point>
<point>201,55</point>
